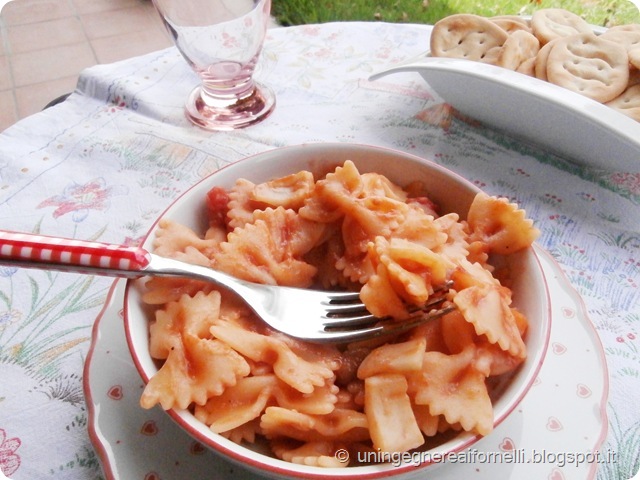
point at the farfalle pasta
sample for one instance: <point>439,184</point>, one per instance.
<point>347,230</point>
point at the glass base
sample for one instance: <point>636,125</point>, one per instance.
<point>232,113</point>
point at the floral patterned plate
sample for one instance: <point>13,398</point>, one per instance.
<point>555,433</point>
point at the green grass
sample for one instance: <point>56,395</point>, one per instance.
<point>296,12</point>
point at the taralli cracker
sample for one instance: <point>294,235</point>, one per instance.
<point>634,77</point>
<point>626,35</point>
<point>550,23</point>
<point>628,103</point>
<point>511,23</point>
<point>466,36</point>
<point>528,67</point>
<point>519,47</point>
<point>589,65</point>
<point>541,61</point>
<point>634,58</point>
<point>512,18</point>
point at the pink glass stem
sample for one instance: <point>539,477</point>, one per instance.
<point>221,40</point>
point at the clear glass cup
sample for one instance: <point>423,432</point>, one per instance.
<point>221,40</point>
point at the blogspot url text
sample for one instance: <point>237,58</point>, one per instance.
<point>516,456</point>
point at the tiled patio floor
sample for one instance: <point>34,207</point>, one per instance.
<point>44,44</point>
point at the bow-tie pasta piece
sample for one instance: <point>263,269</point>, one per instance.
<point>406,274</point>
<point>500,224</point>
<point>302,375</point>
<point>452,238</point>
<point>161,290</point>
<point>196,366</point>
<point>321,401</point>
<point>392,423</point>
<point>288,192</point>
<point>241,206</point>
<point>270,249</point>
<point>238,404</point>
<point>379,211</point>
<point>174,240</point>
<point>318,454</point>
<point>422,227</point>
<point>400,358</point>
<point>246,433</point>
<point>428,424</point>
<point>459,334</point>
<point>325,258</point>
<point>487,308</point>
<point>454,386</point>
<point>341,425</point>
<point>468,274</point>
<point>248,399</point>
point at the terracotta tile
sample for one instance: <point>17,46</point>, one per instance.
<point>22,12</point>
<point>63,31</point>
<point>157,20</point>
<point>33,98</point>
<point>93,6</point>
<point>3,34</point>
<point>118,22</point>
<point>6,81</point>
<point>8,111</point>
<point>112,49</point>
<point>51,63</point>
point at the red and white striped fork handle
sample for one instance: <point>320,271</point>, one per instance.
<point>53,253</point>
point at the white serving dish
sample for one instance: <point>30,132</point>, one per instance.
<point>541,113</point>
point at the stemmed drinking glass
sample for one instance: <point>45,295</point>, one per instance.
<point>221,40</point>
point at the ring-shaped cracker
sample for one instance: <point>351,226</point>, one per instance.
<point>626,35</point>
<point>589,65</point>
<point>550,23</point>
<point>511,24</point>
<point>634,57</point>
<point>541,60</point>
<point>466,36</point>
<point>628,103</point>
<point>520,46</point>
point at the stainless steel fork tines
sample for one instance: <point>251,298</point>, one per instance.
<point>348,316</point>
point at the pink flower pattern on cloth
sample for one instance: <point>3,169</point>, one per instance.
<point>9,459</point>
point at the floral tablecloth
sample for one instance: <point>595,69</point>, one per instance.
<point>106,162</point>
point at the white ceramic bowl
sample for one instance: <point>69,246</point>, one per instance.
<point>450,191</point>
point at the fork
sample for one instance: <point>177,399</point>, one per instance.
<point>311,315</point>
